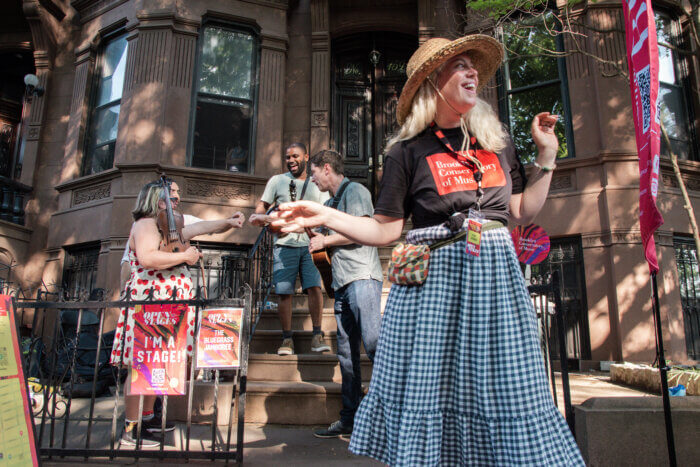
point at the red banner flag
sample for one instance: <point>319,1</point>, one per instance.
<point>643,60</point>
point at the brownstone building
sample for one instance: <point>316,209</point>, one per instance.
<point>211,91</point>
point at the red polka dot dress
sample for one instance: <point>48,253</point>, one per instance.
<point>139,284</point>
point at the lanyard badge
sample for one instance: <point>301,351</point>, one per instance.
<point>475,223</point>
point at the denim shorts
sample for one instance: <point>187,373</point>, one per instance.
<point>290,261</point>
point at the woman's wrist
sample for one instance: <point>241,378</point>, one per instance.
<point>545,168</point>
<point>545,159</point>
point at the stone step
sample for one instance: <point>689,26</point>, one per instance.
<point>293,403</point>
<point>298,368</point>
<point>267,341</point>
<point>301,319</point>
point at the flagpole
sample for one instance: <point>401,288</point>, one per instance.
<point>663,369</point>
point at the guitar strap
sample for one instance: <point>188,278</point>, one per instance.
<point>303,189</point>
<point>339,196</point>
<point>336,202</point>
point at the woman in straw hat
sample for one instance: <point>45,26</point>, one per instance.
<point>458,376</point>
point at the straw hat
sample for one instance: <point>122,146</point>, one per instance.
<point>485,52</point>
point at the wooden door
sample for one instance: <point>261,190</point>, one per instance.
<point>366,89</point>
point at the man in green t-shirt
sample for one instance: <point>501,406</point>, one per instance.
<point>291,251</point>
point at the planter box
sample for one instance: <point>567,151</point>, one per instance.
<point>646,377</point>
<point>615,431</point>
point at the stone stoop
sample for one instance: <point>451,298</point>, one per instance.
<point>300,389</point>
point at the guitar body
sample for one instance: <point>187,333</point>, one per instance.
<point>323,263</point>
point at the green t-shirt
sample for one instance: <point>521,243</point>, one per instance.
<point>277,191</point>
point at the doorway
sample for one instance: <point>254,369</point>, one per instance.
<point>369,71</point>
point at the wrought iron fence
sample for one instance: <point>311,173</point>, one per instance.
<point>77,396</point>
<point>259,271</point>
<point>689,288</point>
<point>545,293</point>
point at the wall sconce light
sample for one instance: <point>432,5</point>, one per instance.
<point>374,57</point>
<point>32,86</point>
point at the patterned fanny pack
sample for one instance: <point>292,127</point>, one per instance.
<point>409,262</point>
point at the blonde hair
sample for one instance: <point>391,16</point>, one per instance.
<point>481,121</point>
<point>147,200</point>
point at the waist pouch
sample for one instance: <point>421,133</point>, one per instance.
<point>409,262</point>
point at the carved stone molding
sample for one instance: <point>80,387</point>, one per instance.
<point>33,132</point>
<point>207,189</point>
<point>93,193</point>
<point>90,9</point>
<point>669,180</point>
<point>562,182</point>
<point>606,239</point>
<point>319,118</point>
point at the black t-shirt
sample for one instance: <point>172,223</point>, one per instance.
<point>421,179</point>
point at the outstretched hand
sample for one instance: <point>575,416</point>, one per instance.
<point>543,134</point>
<point>300,215</point>
<point>237,220</point>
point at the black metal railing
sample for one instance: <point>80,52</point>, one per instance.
<point>77,396</point>
<point>689,289</point>
<point>546,299</point>
<point>13,196</point>
<point>259,271</point>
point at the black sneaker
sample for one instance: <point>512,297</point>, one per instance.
<point>129,437</point>
<point>335,430</point>
<point>153,425</point>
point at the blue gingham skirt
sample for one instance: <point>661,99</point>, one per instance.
<point>458,375</point>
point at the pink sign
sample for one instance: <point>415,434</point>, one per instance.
<point>643,60</point>
<point>531,243</point>
<point>160,354</point>
<point>218,340</point>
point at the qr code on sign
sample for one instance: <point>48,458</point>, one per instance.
<point>158,376</point>
<point>643,80</point>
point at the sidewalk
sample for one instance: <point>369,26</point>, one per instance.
<point>291,446</point>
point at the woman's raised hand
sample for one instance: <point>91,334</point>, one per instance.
<point>192,255</point>
<point>300,215</point>
<point>545,138</point>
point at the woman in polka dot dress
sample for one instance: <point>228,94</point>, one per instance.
<point>162,271</point>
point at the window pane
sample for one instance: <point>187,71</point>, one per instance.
<point>528,43</point>
<point>664,34</point>
<point>672,113</point>
<point>523,108</point>
<point>221,135</point>
<point>112,72</point>
<point>227,63</point>
<point>105,125</point>
<point>101,158</point>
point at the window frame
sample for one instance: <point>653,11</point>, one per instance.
<point>682,69</point>
<point>579,341</point>
<point>254,31</point>
<point>88,148</point>
<point>684,242</point>
<point>504,93</point>
<point>82,251</point>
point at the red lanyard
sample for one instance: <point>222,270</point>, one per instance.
<point>478,175</point>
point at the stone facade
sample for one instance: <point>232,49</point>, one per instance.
<point>593,196</point>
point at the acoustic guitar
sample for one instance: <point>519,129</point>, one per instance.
<point>322,260</point>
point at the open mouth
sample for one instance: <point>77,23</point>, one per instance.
<point>470,87</point>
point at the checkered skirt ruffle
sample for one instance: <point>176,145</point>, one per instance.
<point>458,376</point>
